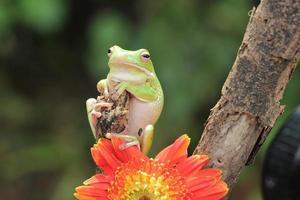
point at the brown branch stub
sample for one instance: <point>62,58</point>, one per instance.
<point>251,94</point>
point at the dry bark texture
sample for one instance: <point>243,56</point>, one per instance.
<point>114,118</point>
<point>250,100</point>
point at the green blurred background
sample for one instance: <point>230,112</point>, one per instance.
<point>53,52</point>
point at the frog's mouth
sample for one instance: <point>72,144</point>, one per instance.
<point>116,63</point>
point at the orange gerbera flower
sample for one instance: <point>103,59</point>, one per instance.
<point>130,175</point>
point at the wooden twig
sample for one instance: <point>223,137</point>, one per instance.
<point>250,99</point>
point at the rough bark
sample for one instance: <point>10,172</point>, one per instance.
<point>113,119</point>
<point>250,97</point>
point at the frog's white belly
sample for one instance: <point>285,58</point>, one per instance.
<point>142,114</point>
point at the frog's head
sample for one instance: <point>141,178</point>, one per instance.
<point>135,62</point>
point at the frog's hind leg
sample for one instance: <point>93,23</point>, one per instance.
<point>90,105</point>
<point>129,140</point>
<point>132,140</point>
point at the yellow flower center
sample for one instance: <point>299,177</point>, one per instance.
<point>147,180</point>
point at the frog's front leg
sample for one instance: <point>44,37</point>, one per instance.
<point>120,88</point>
<point>143,92</point>
<point>93,108</point>
<point>102,87</point>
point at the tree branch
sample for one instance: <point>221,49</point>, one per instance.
<point>250,99</point>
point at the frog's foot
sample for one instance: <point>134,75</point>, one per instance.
<point>95,116</point>
<point>102,87</point>
<point>94,107</point>
<point>102,104</point>
<point>120,88</point>
<point>90,104</point>
<point>96,111</point>
<point>129,140</point>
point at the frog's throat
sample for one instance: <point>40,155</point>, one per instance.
<point>133,65</point>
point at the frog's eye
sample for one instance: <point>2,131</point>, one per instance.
<point>109,52</point>
<point>145,56</point>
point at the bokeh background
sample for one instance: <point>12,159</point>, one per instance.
<point>53,52</point>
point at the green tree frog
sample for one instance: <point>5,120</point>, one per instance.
<point>133,72</point>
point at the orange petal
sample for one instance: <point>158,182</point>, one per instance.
<point>83,197</point>
<point>176,151</point>
<point>94,188</point>
<point>216,192</point>
<point>207,185</point>
<point>197,183</point>
<point>126,154</point>
<point>90,192</point>
<point>104,155</point>
<point>192,165</point>
<point>98,178</point>
<point>210,172</point>
<point>98,190</point>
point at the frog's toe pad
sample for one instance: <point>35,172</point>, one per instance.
<point>129,144</point>
<point>96,114</point>
<point>90,104</point>
<point>100,105</point>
